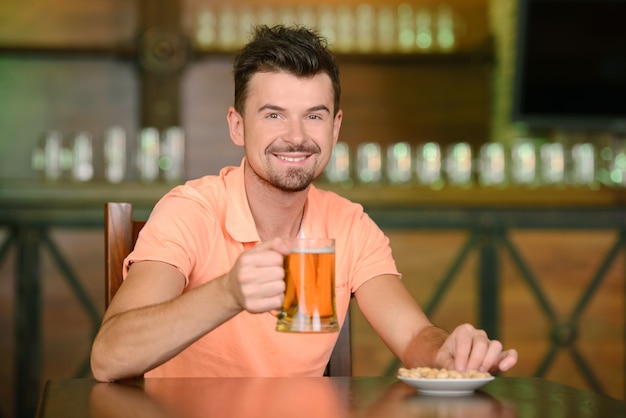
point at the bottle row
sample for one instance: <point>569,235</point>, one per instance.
<point>524,163</point>
<point>158,156</point>
<point>362,28</point>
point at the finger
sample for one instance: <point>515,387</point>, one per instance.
<point>276,244</point>
<point>255,279</point>
<point>271,295</point>
<point>462,347</point>
<point>492,357</point>
<point>268,253</point>
<point>265,258</point>
<point>263,296</point>
<point>480,348</point>
<point>508,359</point>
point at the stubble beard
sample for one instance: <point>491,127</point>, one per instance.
<point>294,180</point>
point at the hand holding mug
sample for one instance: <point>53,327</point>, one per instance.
<point>256,281</point>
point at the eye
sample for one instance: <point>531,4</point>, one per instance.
<point>273,116</point>
<point>314,117</point>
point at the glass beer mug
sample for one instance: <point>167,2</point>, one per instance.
<point>309,303</point>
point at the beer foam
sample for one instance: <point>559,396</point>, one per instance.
<point>323,250</point>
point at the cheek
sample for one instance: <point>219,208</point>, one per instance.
<point>324,157</point>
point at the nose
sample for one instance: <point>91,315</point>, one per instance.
<point>295,132</point>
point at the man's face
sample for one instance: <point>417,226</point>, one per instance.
<point>288,128</point>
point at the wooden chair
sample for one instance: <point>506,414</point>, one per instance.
<point>120,234</point>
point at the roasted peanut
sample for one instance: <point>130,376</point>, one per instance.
<point>432,373</point>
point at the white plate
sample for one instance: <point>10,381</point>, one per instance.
<point>446,387</point>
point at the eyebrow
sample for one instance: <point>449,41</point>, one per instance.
<point>278,108</point>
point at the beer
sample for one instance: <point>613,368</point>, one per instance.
<point>309,304</point>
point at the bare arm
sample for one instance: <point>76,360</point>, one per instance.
<point>409,334</point>
<point>150,320</point>
<point>398,320</point>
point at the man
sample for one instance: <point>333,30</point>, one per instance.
<point>206,272</point>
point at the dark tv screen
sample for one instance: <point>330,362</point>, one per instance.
<point>571,64</point>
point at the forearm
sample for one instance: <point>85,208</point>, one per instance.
<point>423,347</point>
<point>133,342</point>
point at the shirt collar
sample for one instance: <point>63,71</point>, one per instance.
<point>240,223</point>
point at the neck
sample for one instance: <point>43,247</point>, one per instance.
<point>276,213</point>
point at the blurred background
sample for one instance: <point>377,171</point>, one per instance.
<point>486,137</point>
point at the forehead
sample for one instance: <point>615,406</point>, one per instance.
<point>271,86</point>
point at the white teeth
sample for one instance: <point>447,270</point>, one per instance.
<point>291,159</point>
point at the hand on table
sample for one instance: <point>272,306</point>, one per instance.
<point>468,348</point>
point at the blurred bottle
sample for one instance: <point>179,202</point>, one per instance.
<point>53,155</point>
<point>327,23</point>
<point>365,27</point>
<point>399,163</point>
<point>552,163</point>
<point>617,165</point>
<point>287,15</point>
<point>338,168</point>
<point>82,157</point>
<point>524,162</point>
<point>172,159</point>
<point>115,154</point>
<point>306,15</point>
<point>227,34</point>
<point>446,37</point>
<point>406,28</point>
<point>148,155</point>
<point>206,28</point>
<point>492,164</point>
<point>386,24</point>
<point>423,29</point>
<point>583,165</point>
<point>266,16</point>
<point>346,29</point>
<point>369,163</point>
<point>428,165</point>
<point>247,20</point>
<point>459,164</point>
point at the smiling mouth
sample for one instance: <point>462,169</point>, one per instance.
<point>291,159</point>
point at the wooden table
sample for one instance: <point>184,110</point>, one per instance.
<point>325,397</point>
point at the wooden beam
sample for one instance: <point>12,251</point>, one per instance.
<point>163,52</point>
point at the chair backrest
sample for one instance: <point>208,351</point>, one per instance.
<point>120,234</point>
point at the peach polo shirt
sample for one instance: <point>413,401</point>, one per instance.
<point>201,227</point>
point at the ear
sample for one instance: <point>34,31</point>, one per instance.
<point>337,126</point>
<point>235,126</point>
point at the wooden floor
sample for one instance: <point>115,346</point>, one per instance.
<point>564,263</point>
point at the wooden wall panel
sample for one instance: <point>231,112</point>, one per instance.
<point>417,101</point>
<point>207,94</point>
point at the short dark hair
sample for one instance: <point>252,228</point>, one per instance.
<point>295,49</point>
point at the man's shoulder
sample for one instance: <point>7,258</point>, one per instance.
<point>209,186</point>
<point>202,188</point>
<point>208,192</point>
<point>206,183</point>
